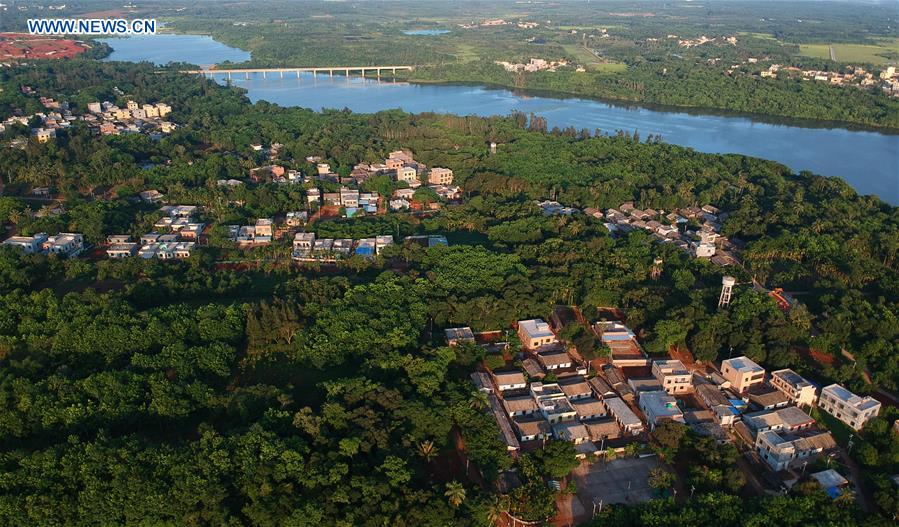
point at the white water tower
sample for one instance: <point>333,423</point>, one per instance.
<point>727,287</point>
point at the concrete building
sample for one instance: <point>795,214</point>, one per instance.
<point>673,375</point>
<point>553,404</point>
<point>509,380</point>
<point>554,360</point>
<point>800,391</point>
<point>783,450</point>
<point>659,406</point>
<point>628,421</point>
<point>407,174</point>
<point>788,419</point>
<point>520,405</point>
<point>27,244</point>
<point>440,176</point>
<point>535,334</point>
<point>122,250</point>
<point>64,244</point>
<point>456,336</point>
<point>742,373</point>
<point>849,408</point>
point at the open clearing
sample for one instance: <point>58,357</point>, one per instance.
<point>854,52</point>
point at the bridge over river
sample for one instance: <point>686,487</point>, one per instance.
<point>346,70</point>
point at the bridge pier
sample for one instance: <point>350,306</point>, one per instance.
<point>331,73</point>
<point>229,75</point>
<point>247,75</point>
<point>263,74</point>
<point>282,73</point>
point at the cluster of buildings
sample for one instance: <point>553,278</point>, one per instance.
<point>63,244</point>
<point>532,66</point>
<point>702,241</point>
<point>174,236</point>
<point>108,119</point>
<point>855,76</point>
<point>308,248</point>
<point>551,396</point>
<point>246,236</point>
<point>272,174</point>
<point>552,393</point>
<point>60,118</point>
<point>354,202</point>
<point>399,166</point>
<point>693,42</point>
<point>403,198</point>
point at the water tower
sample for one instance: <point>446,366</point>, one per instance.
<point>727,287</point>
<point>656,269</point>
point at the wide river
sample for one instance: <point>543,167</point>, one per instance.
<point>867,160</point>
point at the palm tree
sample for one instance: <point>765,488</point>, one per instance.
<point>495,509</point>
<point>479,400</point>
<point>426,450</point>
<point>455,493</point>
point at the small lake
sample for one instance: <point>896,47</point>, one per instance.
<point>867,160</point>
<point>426,32</point>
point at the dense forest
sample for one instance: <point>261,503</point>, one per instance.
<point>197,393</point>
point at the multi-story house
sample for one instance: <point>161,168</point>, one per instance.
<point>849,408</point>
<point>742,373</point>
<point>673,375</point>
<point>800,391</point>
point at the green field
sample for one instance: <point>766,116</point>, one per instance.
<point>855,52</point>
<point>591,62</point>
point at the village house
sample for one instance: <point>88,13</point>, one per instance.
<point>520,405</point>
<point>788,419</point>
<point>849,408</point>
<point>575,387</point>
<point>409,175</point>
<point>505,425</point>
<point>27,244</point>
<point>532,428</point>
<point>554,360</point>
<point>765,397</point>
<point>800,391</point>
<point>782,450</point>
<point>622,342</point>
<point>440,176</point>
<point>533,369</point>
<point>552,403</point>
<point>742,373</point>
<point>658,406</point>
<point>589,408</point>
<point>673,375</point>
<point>456,336</point>
<point>535,334</point>
<point>509,380</point>
<point>725,414</point>
<point>122,250</point>
<point>628,421</point>
<point>64,244</point>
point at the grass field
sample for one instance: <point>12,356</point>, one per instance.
<point>467,52</point>
<point>854,52</point>
<point>590,62</point>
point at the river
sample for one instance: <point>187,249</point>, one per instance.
<point>867,160</point>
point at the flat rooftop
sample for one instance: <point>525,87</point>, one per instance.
<point>742,364</point>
